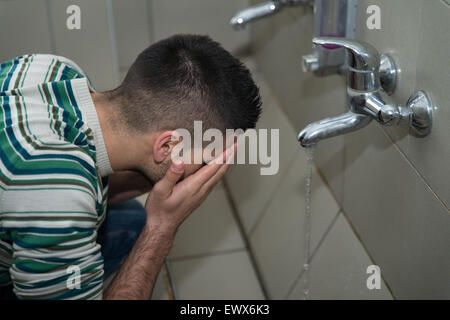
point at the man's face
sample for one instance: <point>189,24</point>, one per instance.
<point>155,171</point>
<point>207,154</point>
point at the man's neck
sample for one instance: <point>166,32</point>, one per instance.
<point>120,145</point>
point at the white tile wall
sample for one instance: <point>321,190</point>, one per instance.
<point>278,240</point>
<point>134,29</point>
<point>416,30</point>
<point>90,47</point>
<point>161,287</point>
<point>250,190</point>
<point>401,222</point>
<point>431,155</point>
<point>222,276</point>
<point>209,259</point>
<point>338,270</point>
<point>397,196</point>
<point>278,45</point>
<point>200,17</point>
<point>24,28</point>
<point>210,229</point>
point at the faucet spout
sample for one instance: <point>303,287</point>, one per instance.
<point>259,11</point>
<point>369,77</point>
<point>243,17</point>
<point>331,127</point>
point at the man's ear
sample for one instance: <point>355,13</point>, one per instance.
<point>163,146</point>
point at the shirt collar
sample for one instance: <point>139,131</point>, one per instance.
<point>82,91</point>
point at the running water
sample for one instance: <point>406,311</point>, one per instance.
<point>307,224</point>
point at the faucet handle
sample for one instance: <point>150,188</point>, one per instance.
<point>363,62</point>
<point>362,56</point>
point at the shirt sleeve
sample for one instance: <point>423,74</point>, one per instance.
<point>55,253</point>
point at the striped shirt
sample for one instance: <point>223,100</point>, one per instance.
<point>53,180</point>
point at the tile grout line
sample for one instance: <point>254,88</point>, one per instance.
<point>268,202</point>
<point>333,195</point>
<point>325,234</point>
<point>151,26</point>
<point>171,289</point>
<point>322,239</point>
<point>113,41</point>
<point>394,143</point>
<point>416,171</point>
<point>341,208</point>
<point>352,227</point>
<point>246,240</point>
<point>328,186</point>
<point>206,254</point>
<point>50,27</point>
<point>349,220</point>
<point>291,161</point>
<point>390,139</point>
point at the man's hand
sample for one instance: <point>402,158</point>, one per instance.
<point>169,202</point>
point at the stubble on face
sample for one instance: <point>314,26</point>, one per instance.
<point>154,172</point>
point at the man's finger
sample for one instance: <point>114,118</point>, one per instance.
<point>195,182</point>
<point>208,171</point>
<point>226,155</point>
<point>165,186</point>
<point>214,179</point>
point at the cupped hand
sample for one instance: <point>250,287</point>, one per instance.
<point>170,202</point>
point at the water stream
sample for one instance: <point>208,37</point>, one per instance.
<point>307,223</point>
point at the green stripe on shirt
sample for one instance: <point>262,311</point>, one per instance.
<point>52,196</point>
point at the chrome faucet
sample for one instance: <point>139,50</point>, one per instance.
<point>371,77</point>
<point>259,11</point>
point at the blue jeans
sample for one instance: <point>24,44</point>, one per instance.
<point>119,232</point>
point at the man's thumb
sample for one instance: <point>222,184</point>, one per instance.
<point>177,168</point>
<point>170,179</point>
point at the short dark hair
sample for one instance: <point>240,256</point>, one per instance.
<point>185,78</point>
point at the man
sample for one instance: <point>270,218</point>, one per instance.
<point>67,151</point>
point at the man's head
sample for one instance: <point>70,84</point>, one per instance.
<point>177,81</point>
